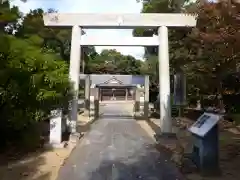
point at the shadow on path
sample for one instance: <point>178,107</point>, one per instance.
<point>142,168</point>
<point>25,169</point>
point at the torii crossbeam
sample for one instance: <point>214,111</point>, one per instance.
<point>133,41</point>
<point>118,21</point>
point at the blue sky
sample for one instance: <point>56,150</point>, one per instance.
<point>93,6</point>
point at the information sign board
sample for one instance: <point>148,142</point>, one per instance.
<point>204,124</point>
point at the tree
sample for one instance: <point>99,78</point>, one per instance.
<point>34,79</point>
<point>206,53</point>
<point>217,38</point>
<point>178,45</point>
<point>7,15</point>
<point>113,62</point>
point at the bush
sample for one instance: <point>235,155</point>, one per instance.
<point>32,83</point>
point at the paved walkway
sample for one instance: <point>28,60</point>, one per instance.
<point>114,109</point>
<point>117,149</point>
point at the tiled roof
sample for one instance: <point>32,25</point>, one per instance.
<point>124,79</point>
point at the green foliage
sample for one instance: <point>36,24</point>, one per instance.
<point>8,15</point>
<point>113,62</point>
<point>34,78</point>
<point>34,72</point>
<point>207,53</point>
<point>178,43</point>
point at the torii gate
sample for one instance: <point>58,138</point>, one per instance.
<point>123,21</point>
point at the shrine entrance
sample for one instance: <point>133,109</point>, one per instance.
<point>115,90</point>
<point>122,21</point>
<point>121,93</point>
<point>116,93</point>
<point>123,145</point>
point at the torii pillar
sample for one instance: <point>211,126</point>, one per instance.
<point>164,81</point>
<point>74,71</point>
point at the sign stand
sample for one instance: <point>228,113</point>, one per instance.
<point>205,153</point>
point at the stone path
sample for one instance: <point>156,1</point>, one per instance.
<point>117,149</point>
<point>114,109</point>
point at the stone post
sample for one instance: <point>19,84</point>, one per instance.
<point>141,104</point>
<point>146,97</point>
<point>92,106</point>
<point>199,107</point>
<point>75,55</point>
<point>87,95</point>
<point>126,94</point>
<point>96,102</point>
<point>164,78</point>
<point>137,99</point>
<point>55,136</point>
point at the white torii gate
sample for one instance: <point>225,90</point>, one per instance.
<point>123,21</point>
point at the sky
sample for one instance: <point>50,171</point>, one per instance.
<point>93,6</point>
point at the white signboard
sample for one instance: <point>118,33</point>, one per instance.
<point>204,124</point>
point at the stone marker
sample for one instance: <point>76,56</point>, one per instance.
<point>92,108</point>
<point>55,138</point>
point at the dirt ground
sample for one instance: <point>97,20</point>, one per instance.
<point>42,165</point>
<point>229,148</point>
